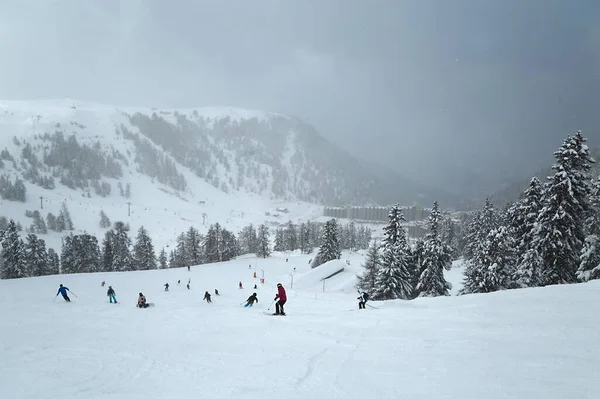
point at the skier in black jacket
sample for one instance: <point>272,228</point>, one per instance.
<point>111,294</point>
<point>251,299</point>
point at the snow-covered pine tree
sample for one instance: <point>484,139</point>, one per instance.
<point>248,240</point>
<point>480,226</point>
<point>493,267</point>
<point>143,251</point>
<point>36,256</point>
<point>86,254</point>
<point>51,222</point>
<point>180,254</point>
<point>264,245</point>
<point>589,259</point>
<point>53,262</point>
<point>107,252</point>
<point>122,259</point>
<point>162,260</point>
<point>193,244</point>
<point>38,226</point>
<point>315,235</point>
<point>436,258</point>
<point>366,282</point>
<point>589,267</point>
<point>229,245</point>
<point>291,237</point>
<point>560,232</point>
<point>352,236</point>
<point>394,280</point>
<point>279,245</point>
<point>415,262</point>
<point>330,248</point>
<point>522,218</point>
<point>13,254</point>
<point>66,255</point>
<point>303,238</point>
<point>172,262</point>
<point>104,220</point>
<point>64,221</point>
<point>212,250</point>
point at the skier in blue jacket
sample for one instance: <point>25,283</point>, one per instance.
<point>63,291</point>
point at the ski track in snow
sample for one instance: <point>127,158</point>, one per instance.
<point>535,343</point>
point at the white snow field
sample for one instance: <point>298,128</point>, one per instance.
<point>534,343</point>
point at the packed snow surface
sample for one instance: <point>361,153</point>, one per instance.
<point>533,343</point>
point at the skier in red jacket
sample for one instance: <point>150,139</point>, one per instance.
<point>281,299</point>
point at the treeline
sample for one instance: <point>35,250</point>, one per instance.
<point>549,236</point>
<point>396,270</point>
<point>306,236</point>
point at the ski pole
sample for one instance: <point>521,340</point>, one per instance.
<point>371,306</point>
<point>271,304</point>
<point>73,294</point>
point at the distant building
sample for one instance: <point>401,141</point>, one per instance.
<point>374,213</point>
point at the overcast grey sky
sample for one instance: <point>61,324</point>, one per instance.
<point>430,88</point>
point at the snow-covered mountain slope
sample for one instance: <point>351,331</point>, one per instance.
<point>80,156</point>
<point>530,343</point>
<point>233,149</point>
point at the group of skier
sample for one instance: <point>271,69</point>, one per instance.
<point>280,298</point>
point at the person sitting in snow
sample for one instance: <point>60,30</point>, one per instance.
<point>111,295</point>
<point>207,297</point>
<point>216,292</point>
<point>103,284</point>
<point>142,301</point>
<point>251,299</point>
<point>362,300</point>
<point>167,287</point>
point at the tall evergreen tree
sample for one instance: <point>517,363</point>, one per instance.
<point>493,267</point>
<point>53,262</point>
<point>213,243</point>
<point>366,282</point>
<point>36,256</point>
<point>393,280</point>
<point>522,218</point>
<point>51,222</point>
<point>436,258</point>
<point>162,260</point>
<point>482,223</point>
<point>416,263</point>
<point>330,247</point>
<point>291,237</point>
<point>589,260</point>
<point>13,254</point>
<point>143,251</point>
<point>104,220</point>
<point>559,234</point>
<point>303,238</point>
<point>122,259</point>
<point>229,245</point>
<point>248,240</point>
<point>264,244</point>
<point>64,221</point>
<point>279,240</point>
<point>108,254</point>
<point>38,226</point>
<point>181,256</point>
<point>193,245</point>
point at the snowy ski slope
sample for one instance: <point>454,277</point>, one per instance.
<point>534,343</point>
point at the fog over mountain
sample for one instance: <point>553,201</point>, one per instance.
<point>460,96</point>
